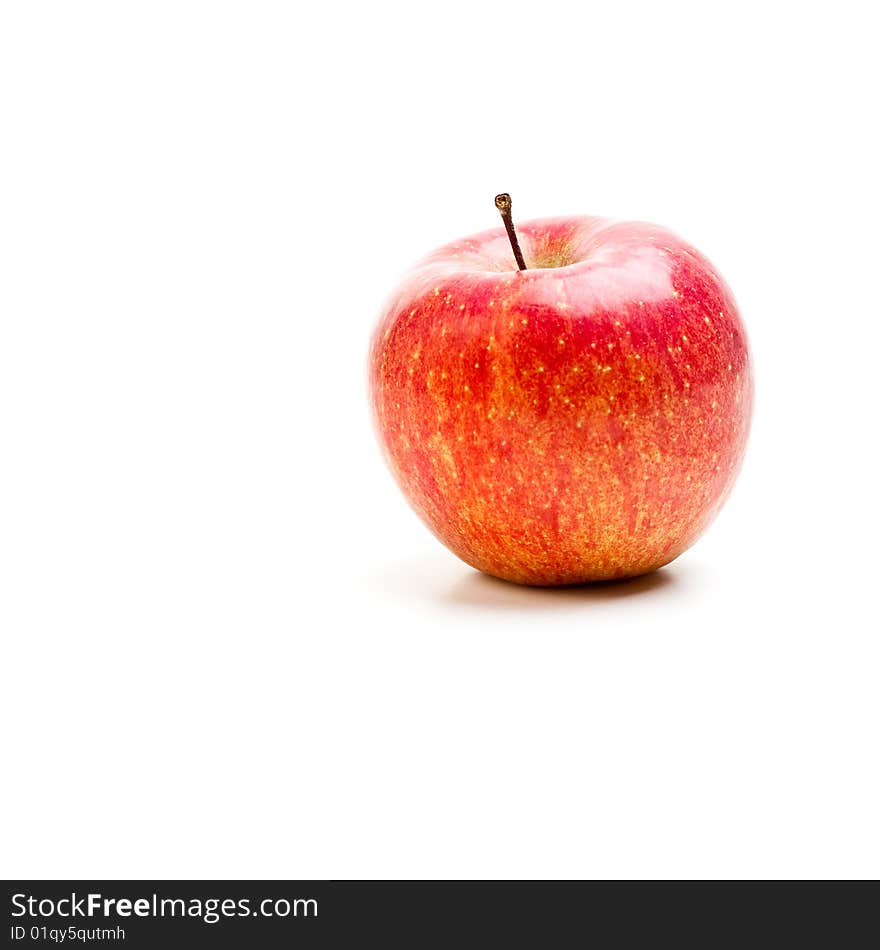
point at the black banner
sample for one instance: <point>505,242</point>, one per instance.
<point>268,914</point>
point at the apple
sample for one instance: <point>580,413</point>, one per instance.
<point>575,410</point>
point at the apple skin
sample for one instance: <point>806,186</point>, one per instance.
<point>581,420</point>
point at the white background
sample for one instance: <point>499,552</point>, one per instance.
<point>229,649</point>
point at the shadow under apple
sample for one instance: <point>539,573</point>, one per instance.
<point>483,591</point>
<point>449,583</point>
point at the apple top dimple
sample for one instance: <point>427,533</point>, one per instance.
<point>560,253</point>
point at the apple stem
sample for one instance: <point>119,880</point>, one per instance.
<point>504,205</point>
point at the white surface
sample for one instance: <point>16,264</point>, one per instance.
<point>229,649</point>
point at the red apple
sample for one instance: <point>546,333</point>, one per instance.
<point>579,420</point>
